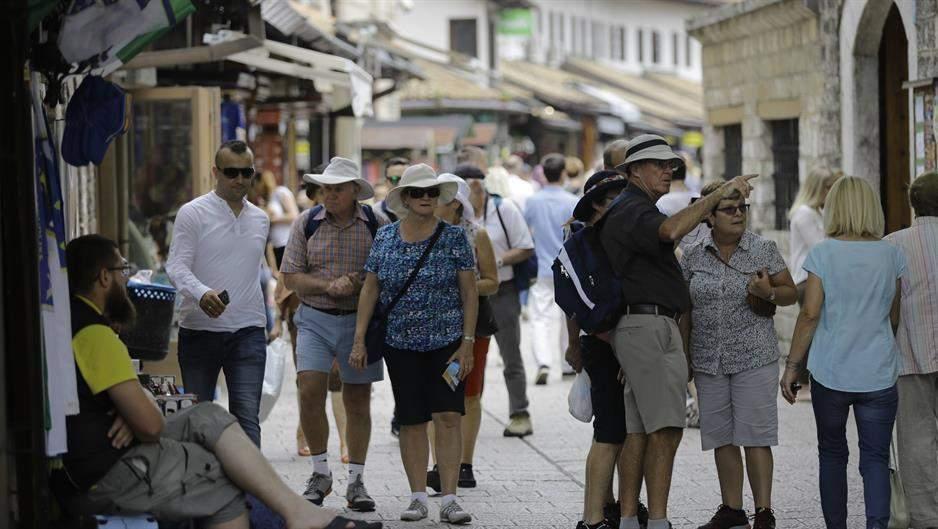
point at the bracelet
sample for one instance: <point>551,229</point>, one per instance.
<point>470,339</point>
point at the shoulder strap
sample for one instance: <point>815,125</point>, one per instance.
<point>390,214</point>
<point>417,267</point>
<point>719,257</point>
<point>498,211</point>
<point>372,221</point>
<point>312,223</point>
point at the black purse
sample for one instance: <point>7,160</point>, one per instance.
<point>485,323</point>
<point>525,272</point>
<point>378,325</point>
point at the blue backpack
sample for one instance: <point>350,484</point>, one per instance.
<point>585,286</point>
<point>312,224</point>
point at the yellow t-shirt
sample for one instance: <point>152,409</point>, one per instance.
<point>102,358</point>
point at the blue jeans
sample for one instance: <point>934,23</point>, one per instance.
<point>242,355</point>
<point>875,414</point>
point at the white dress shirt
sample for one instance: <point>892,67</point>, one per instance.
<point>807,229</point>
<point>516,228</point>
<point>212,249</point>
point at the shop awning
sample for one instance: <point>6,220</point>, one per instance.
<point>446,87</point>
<point>431,133</point>
<point>295,19</point>
<point>553,86</point>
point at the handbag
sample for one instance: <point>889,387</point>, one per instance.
<point>898,510</point>
<point>762,307</point>
<point>377,330</point>
<point>485,322</point>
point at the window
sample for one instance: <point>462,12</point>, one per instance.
<point>732,151</point>
<point>674,46</point>
<point>641,45</point>
<point>598,41</point>
<point>561,40</point>
<point>584,36</point>
<point>622,39</point>
<point>655,47</point>
<point>613,42</point>
<point>463,37</point>
<point>687,51</point>
<point>785,177</point>
<point>575,35</point>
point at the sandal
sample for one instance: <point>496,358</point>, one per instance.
<point>341,522</point>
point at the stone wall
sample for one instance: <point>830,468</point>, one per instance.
<point>926,15</point>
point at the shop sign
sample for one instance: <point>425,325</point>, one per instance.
<point>517,22</point>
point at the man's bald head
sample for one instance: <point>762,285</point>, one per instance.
<point>614,154</point>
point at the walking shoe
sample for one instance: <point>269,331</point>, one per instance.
<point>453,513</point>
<point>612,512</point>
<point>727,518</point>
<point>605,524</point>
<point>395,426</point>
<point>433,480</point>
<point>519,426</point>
<point>466,479</point>
<point>416,511</point>
<point>763,519</point>
<point>643,515</point>
<point>318,486</point>
<point>357,496</point>
<point>542,373</point>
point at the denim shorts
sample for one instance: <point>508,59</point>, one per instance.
<point>322,338</point>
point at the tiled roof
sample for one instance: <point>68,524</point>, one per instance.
<point>551,85</point>
<point>447,83</point>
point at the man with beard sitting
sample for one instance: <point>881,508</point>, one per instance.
<point>124,457</point>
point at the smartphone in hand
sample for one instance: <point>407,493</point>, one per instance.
<point>223,296</point>
<point>451,374</point>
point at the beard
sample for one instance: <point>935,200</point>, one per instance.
<point>119,308</point>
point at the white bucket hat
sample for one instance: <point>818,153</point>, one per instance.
<point>339,171</point>
<point>420,175</point>
<point>649,147</point>
<point>462,195</point>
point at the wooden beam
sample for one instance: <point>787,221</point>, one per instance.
<point>194,55</point>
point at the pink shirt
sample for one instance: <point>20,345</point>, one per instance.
<point>918,321</point>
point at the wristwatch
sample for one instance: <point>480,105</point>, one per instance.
<point>470,339</point>
<point>772,295</point>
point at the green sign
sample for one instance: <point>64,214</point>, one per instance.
<point>516,22</point>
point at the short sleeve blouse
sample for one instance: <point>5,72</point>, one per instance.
<point>429,316</point>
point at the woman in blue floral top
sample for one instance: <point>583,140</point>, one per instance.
<point>432,324</point>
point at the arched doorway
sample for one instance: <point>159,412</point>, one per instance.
<point>894,123</point>
<point>878,50</point>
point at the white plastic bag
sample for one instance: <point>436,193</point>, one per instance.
<point>277,352</point>
<point>579,401</point>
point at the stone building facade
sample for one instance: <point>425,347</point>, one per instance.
<point>791,85</point>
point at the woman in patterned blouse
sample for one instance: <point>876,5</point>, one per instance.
<point>734,354</point>
<point>432,325</point>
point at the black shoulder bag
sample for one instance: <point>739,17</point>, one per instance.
<point>378,326</point>
<point>762,307</point>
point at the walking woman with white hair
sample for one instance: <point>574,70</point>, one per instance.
<point>848,320</point>
<point>422,272</point>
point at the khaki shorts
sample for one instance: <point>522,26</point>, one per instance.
<point>739,409</point>
<point>179,478</point>
<point>651,353</point>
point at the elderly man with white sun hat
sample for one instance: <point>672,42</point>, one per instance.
<point>422,271</point>
<point>324,264</point>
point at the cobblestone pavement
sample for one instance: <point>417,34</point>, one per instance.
<point>538,481</point>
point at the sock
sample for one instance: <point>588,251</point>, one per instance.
<point>321,463</point>
<point>420,496</point>
<point>449,498</point>
<point>354,471</point>
<point>629,523</point>
<point>659,524</point>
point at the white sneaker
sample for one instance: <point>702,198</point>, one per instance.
<point>453,513</point>
<point>415,512</point>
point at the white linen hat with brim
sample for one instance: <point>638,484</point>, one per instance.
<point>339,171</point>
<point>648,147</point>
<point>462,195</point>
<point>420,175</point>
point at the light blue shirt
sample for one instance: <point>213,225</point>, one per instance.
<point>854,348</point>
<point>546,212</point>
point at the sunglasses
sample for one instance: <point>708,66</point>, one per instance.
<point>393,179</point>
<point>667,164</point>
<point>733,209</point>
<point>235,172</point>
<point>420,192</point>
<point>124,268</point>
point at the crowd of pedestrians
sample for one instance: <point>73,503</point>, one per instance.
<point>421,281</point>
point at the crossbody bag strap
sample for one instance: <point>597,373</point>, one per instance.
<point>498,212</point>
<point>417,267</point>
<point>712,251</point>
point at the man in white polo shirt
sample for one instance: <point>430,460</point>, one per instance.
<point>214,260</point>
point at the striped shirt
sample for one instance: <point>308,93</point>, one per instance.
<point>918,322</point>
<point>332,251</point>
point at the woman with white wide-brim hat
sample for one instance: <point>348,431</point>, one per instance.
<point>432,324</point>
<point>459,212</point>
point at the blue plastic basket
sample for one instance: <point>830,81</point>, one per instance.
<point>148,339</point>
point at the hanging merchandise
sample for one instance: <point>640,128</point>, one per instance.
<point>106,34</point>
<point>58,364</point>
<point>96,114</point>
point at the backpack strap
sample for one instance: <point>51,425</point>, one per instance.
<point>372,221</point>
<point>312,223</point>
<point>387,212</point>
